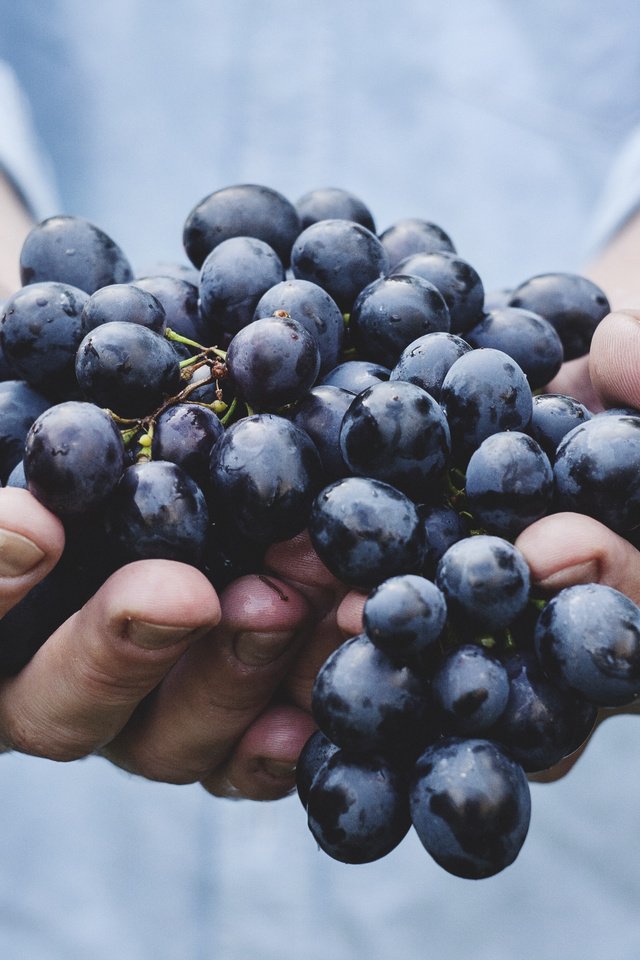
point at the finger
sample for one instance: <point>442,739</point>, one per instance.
<point>350,613</point>
<point>573,380</point>
<point>81,687</point>
<point>263,764</point>
<point>297,562</point>
<point>568,548</point>
<point>614,362</point>
<point>190,725</point>
<point>31,543</point>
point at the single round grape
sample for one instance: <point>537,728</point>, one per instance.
<point>471,806</point>
<point>366,531</point>
<point>356,375</point>
<point>73,251</point>
<point>357,808</point>
<point>443,527</point>
<point>179,297</point>
<point>315,753</point>
<point>73,458</point>
<point>413,235</point>
<point>404,616</point>
<point>455,278</point>
<point>127,368</point>
<point>427,360</point>
<point>272,362</point>
<point>532,341</point>
<point>332,203</point>
<point>126,302</point>
<point>471,688</point>
<point>241,210</point>
<point>485,581</point>
<point>319,413</point>
<point>157,511</point>
<point>184,434</point>
<point>20,404</point>
<point>554,415</point>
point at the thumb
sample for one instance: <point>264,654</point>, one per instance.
<point>614,362</point>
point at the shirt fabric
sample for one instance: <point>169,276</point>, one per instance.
<point>501,122</point>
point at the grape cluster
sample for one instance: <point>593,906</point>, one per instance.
<point>306,372</point>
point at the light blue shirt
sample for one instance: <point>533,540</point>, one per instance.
<point>497,119</point>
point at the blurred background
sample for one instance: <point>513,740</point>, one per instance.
<point>501,121</point>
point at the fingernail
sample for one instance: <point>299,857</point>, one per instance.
<point>586,572</point>
<point>155,636</point>
<point>279,769</point>
<point>258,649</point>
<point>18,554</point>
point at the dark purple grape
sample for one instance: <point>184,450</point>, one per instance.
<point>265,472</point>
<point>319,413</point>
<point>272,362</point>
<point>356,375</point>
<point>443,527</point>
<point>367,703</point>
<point>397,433</point>
<point>311,306</point>
<point>531,340</point>
<point>169,269</point>
<point>315,753</point>
<point>233,278</point>
<point>597,472</point>
<point>20,404</point>
<point>588,639</point>
<point>470,806</point>
<point>485,581</point>
<point>157,511</point>
<point>458,282</point>
<point>126,302</point>
<point>471,689</point>
<point>413,235</point>
<point>332,203</point>
<point>41,327</point>
<point>509,483</point>
<point>405,616</point>
<point>484,392</point>
<point>573,304</point>
<point>179,297</point>
<point>242,210</point>
<point>541,723</point>
<point>184,434</point>
<point>427,360</point>
<point>73,458</point>
<point>392,312</point>
<point>340,256</point>
<point>357,808</point>
<point>554,415</point>
<point>366,531</point>
<point>127,368</point>
<point>73,251</point>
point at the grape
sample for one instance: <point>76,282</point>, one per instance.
<point>397,433</point>
<point>366,531</point>
<point>527,337</point>
<point>443,527</point>
<point>20,404</point>
<point>471,688</point>
<point>179,298</point>
<point>126,302</point>
<point>357,808</point>
<point>509,483</point>
<point>554,415</point>
<point>320,413</point>
<point>367,703</point>
<point>331,203</point>
<point>127,368</point>
<point>264,474</point>
<point>311,306</point>
<point>404,616</point>
<point>73,458</point>
<point>233,278</point>
<point>72,251</point>
<point>427,360</point>
<point>392,312</point>
<point>455,278</point>
<point>588,639</point>
<point>340,256</point>
<point>470,806</point>
<point>157,511</point>
<point>272,362</point>
<point>315,753</point>
<point>41,328</point>
<point>184,434</point>
<point>573,304</point>
<point>244,210</point>
<point>356,375</point>
<point>413,235</point>
<point>485,581</point>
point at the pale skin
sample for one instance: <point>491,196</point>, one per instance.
<point>170,681</point>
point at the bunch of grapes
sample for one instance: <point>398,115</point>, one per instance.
<point>305,372</point>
